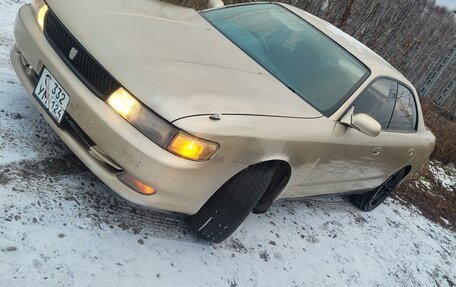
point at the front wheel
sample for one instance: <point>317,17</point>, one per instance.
<point>225,211</point>
<point>371,200</point>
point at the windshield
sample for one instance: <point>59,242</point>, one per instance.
<point>296,53</point>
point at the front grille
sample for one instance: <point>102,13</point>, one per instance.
<point>86,68</point>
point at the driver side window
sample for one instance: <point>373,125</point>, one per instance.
<point>377,101</point>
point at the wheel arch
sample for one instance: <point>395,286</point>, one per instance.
<point>280,180</point>
<point>282,175</point>
<point>255,186</point>
<point>407,169</point>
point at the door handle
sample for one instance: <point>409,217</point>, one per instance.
<point>376,151</point>
<point>411,151</point>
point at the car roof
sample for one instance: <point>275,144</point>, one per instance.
<point>377,65</point>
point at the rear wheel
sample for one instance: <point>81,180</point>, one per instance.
<point>371,200</point>
<point>225,211</point>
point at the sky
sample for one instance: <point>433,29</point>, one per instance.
<point>449,3</point>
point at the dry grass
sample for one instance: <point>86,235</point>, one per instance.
<point>437,203</point>
<point>444,129</point>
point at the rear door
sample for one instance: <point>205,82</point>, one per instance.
<point>401,140</point>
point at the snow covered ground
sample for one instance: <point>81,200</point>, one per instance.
<point>60,226</point>
<point>442,176</point>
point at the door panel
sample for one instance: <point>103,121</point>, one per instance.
<point>345,165</point>
<point>401,139</point>
<point>354,161</point>
<point>351,158</point>
<point>398,152</point>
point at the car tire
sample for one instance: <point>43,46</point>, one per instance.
<point>225,211</point>
<point>372,199</point>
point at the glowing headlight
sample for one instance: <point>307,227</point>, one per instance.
<point>141,117</point>
<point>125,104</point>
<point>159,130</point>
<point>40,9</point>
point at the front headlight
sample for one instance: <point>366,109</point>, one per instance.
<point>40,9</point>
<point>141,117</point>
<point>159,130</point>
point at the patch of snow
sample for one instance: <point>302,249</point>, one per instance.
<point>447,180</point>
<point>446,221</point>
<point>451,168</point>
<point>360,47</point>
<point>425,183</point>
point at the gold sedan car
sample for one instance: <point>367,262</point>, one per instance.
<point>220,112</point>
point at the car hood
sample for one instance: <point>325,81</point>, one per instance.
<point>174,61</point>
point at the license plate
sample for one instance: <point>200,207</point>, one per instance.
<point>51,96</point>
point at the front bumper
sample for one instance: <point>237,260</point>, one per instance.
<point>183,186</point>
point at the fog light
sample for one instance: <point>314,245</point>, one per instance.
<point>136,184</point>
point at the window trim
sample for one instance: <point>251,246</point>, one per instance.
<point>398,82</point>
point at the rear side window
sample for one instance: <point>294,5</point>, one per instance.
<point>404,115</point>
<point>378,101</point>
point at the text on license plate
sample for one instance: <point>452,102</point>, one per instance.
<point>51,95</point>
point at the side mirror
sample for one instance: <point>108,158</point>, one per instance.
<point>362,122</point>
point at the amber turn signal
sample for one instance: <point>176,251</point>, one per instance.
<point>190,147</point>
